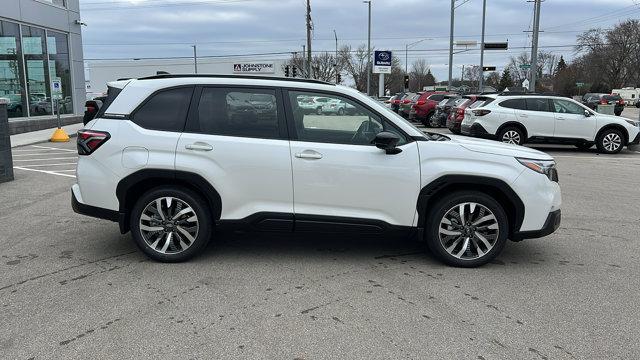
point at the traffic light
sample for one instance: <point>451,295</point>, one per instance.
<point>338,79</point>
<point>488,68</point>
<point>406,81</point>
<point>286,71</point>
<point>294,70</point>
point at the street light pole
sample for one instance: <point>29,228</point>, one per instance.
<point>308,39</point>
<point>195,59</point>
<point>335,63</point>
<point>484,15</point>
<point>453,8</point>
<point>368,2</point>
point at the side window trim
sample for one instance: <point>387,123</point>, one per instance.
<point>291,126</point>
<point>192,124</point>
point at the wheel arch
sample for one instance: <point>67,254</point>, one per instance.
<point>496,188</point>
<point>132,186</point>
<point>619,127</point>
<point>514,124</point>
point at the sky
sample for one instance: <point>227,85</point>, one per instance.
<point>130,29</point>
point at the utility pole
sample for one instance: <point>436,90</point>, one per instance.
<point>308,38</point>
<point>304,63</point>
<point>534,47</point>
<point>368,2</point>
<point>453,8</point>
<point>335,64</point>
<point>195,59</point>
<point>484,16</point>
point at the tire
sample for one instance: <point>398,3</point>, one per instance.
<point>184,242</point>
<point>610,141</point>
<point>427,120</point>
<point>319,111</point>
<point>435,123</point>
<point>585,145</point>
<point>447,246</point>
<point>617,113</point>
<point>454,131</point>
<point>341,111</point>
<point>511,135</point>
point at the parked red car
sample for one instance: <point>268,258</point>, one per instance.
<point>426,104</point>
<point>457,114</point>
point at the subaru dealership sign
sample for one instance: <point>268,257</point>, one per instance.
<point>382,62</point>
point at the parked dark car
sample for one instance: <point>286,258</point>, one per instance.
<point>425,106</point>
<point>593,100</point>
<point>456,115</point>
<point>638,104</point>
<point>91,108</point>
<point>407,103</point>
<point>439,119</point>
<point>396,100</point>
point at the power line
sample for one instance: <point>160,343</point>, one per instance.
<point>130,7</point>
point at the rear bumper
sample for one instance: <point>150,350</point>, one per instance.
<point>475,130</point>
<point>97,212</point>
<point>550,225</point>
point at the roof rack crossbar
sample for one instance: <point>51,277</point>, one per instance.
<point>227,76</point>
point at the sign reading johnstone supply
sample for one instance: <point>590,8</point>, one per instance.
<point>263,68</point>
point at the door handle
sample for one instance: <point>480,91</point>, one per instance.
<point>560,118</point>
<point>309,154</point>
<point>524,115</point>
<point>199,146</point>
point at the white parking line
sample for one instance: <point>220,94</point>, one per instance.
<point>60,164</point>
<point>44,171</point>
<point>40,154</point>
<point>62,158</point>
<point>51,148</point>
<point>70,170</point>
<point>44,151</point>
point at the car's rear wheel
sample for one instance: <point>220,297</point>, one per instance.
<point>511,135</point>
<point>466,229</point>
<point>610,141</point>
<point>427,120</point>
<point>171,224</point>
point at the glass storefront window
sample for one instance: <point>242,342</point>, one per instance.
<point>56,2</point>
<point>38,90</point>
<point>11,71</point>
<point>60,69</point>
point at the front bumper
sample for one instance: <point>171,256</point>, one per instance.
<point>550,225</point>
<point>635,141</point>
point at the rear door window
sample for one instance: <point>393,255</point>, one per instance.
<point>518,104</point>
<point>165,110</point>
<point>241,112</point>
<point>436,97</point>
<point>538,104</point>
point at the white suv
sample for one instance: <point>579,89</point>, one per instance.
<point>517,119</point>
<point>171,157</point>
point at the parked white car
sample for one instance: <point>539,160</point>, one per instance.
<point>169,158</point>
<point>337,107</point>
<point>517,119</point>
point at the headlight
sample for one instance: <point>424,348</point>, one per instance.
<point>632,123</point>
<point>545,167</point>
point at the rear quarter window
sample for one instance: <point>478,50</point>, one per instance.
<point>165,110</point>
<point>518,104</point>
<point>436,97</point>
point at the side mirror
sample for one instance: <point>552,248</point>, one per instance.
<point>587,113</point>
<point>387,141</point>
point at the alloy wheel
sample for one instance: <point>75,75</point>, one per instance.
<point>468,231</point>
<point>511,137</point>
<point>169,225</point>
<point>612,142</point>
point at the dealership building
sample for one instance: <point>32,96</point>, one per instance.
<point>41,58</point>
<point>98,73</point>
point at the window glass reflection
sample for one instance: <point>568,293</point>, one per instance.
<point>60,70</point>
<point>11,72</point>
<point>38,90</point>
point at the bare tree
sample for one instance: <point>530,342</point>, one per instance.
<point>322,66</point>
<point>355,64</point>
<point>420,75</point>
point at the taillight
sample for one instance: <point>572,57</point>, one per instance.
<point>603,102</point>
<point>89,140</point>
<point>621,101</point>
<point>421,102</point>
<point>406,101</point>
<point>90,108</point>
<point>481,112</point>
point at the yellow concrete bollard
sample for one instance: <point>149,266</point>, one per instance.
<point>59,136</point>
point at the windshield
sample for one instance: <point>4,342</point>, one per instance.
<point>612,97</point>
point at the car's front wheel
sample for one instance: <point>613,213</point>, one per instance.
<point>171,224</point>
<point>466,229</point>
<point>610,141</point>
<point>511,135</point>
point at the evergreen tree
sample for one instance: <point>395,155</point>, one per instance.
<point>505,81</point>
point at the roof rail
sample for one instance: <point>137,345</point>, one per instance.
<point>518,93</point>
<point>227,76</point>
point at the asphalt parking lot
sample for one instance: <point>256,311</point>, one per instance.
<point>72,287</point>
